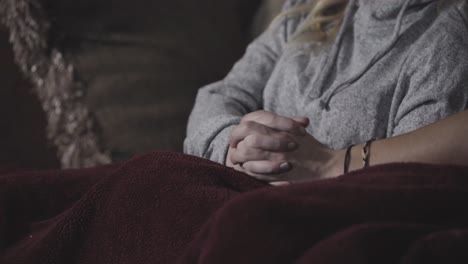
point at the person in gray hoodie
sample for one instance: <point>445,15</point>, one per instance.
<point>347,72</point>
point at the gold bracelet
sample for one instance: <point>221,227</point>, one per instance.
<point>347,159</point>
<point>365,153</point>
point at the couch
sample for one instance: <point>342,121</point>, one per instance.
<point>113,79</point>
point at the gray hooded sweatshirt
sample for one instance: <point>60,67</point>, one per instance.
<point>395,65</point>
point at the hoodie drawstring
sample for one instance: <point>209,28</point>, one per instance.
<point>330,60</point>
<point>325,103</point>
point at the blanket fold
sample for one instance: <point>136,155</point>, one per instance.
<point>171,208</point>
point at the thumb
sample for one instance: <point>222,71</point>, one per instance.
<point>304,121</point>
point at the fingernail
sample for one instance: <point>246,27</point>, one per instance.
<point>285,166</point>
<point>292,145</point>
<point>278,184</point>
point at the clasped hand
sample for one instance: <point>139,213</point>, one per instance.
<point>278,149</point>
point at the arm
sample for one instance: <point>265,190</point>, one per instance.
<point>437,82</point>
<point>443,142</point>
<point>220,106</point>
<point>432,86</point>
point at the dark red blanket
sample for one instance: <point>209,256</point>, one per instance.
<point>171,208</point>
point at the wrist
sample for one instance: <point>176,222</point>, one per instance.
<point>333,167</point>
<point>354,162</point>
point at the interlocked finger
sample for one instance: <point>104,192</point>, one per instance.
<point>277,122</point>
<point>247,128</point>
<point>244,154</point>
<point>267,167</point>
<point>262,177</point>
<point>279,141</point>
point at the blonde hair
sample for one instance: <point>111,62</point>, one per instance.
<point>322,22</point>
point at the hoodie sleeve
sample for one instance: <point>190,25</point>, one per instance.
<point>220,106</point>
<point>435,82</point>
